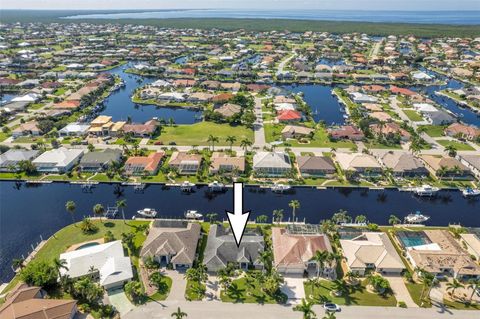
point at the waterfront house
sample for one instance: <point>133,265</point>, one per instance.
<point>440,254</point>
<point>472,242</point>
<point>58,160</point>
<point>438,117</point>
<point>315,166</point>
<point>472,162</point>
<point>172,242</point>
<point>289,116</point>
<point>74,129</point>
<point>346,132</point>
<point>403,164</point>
<point>101,125</point>
<point>359,163</point>
<point>271,163</point>
<point>296,245</point>
<point>228,109</point>
<point>223,163</point>
<point>185,163</point>
<point>468,132</point>
<point>371,250</point>
<point>222,249</point>
<point>26,129</point>
<point>24,302</point>
<point>138,165</point>
<point>146,130</point>
<point>98,161</point>
<point>111,267</point>
<point>295,131</point>
<point>445,167</point>
<point>10,159</point>
<point>358,97</point>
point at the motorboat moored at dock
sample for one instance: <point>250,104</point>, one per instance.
<point>147,212</point>
<point>416,218</point>
<point>426,191</point>
<point>193,214</point>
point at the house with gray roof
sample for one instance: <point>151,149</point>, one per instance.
<point>172,242</point>
<point>99,160</point>
<point>315,166</point>
<point>222,249</point>
<point>403,164</point>
<point>271,163</point>
<point>10,159</point>
<point>472,162</point>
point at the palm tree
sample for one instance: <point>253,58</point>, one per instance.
<point>98,209</point>
<point>18,263</point>
<point>329,315</point>
<point>231,139</point>
<point>278,215</point>
<point>451,150</point>
<point>360,219</point>
<point>70,206</point>
<point>294,204</point>
<point>454,285</point>
<point>179,314</point>
<point>265,257</point>
<point>473,284</point>
<point>122,204</point>
<point>394,220</point>
<point>319,258</point>
<point>245,144</point>
<point>306,308</point>
<point>213,139</point>
<point>60,264</point>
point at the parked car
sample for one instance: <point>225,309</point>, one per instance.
<point>331,307</point>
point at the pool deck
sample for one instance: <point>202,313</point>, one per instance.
<point>76,246</point>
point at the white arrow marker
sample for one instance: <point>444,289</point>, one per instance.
<point>238,219</point>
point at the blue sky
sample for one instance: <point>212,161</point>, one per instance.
<point>405,5</point>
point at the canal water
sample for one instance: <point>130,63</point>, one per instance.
<point>26,212</point>
<point>120,106</point>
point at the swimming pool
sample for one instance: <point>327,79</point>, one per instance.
<point>412,238</point>
<point>87,245</point>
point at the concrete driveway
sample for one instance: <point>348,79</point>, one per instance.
<point>293,288</point>
<point>179,285</point>
<point>400,290</point>
<point>119,300</point>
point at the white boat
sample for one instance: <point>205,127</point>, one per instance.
<point>193,214</point>
<point>426,190</point>
<point>470,192</point>
<point>416,218</point>
<point>186,186</point>
<point>147,212</point>
<point>280,188</point>
<point>216,186</point>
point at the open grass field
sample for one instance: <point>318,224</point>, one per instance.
<point>197,134</point>
<point>413,115</point>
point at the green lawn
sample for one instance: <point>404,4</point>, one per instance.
<point>356,296</point>
<point>433,130</point>
<point>458,145</point>
<point>320,139</point>
<point>4,136</point>
<point>197,134</point>
<point>413,115</point>
<point>415,291</point>
<point>162,295</point>
<point>460,306</point>
<point>191,292</point>
<point>72,234</point>
<point>240,292</point>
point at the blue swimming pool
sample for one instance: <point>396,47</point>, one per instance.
<point>87,245</point>
<point>412,239</point>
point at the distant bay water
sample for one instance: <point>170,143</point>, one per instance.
<point>424,17</point>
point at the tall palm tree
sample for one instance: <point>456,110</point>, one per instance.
<point>278,215</point>
<point>319,258</point>
<point>473,284</point>
<point>213,139</point>
<point>265,257</point>
<point>70,206</point>
<point>294,204</point>
<point>99,210</point>
<point>451,150</point>
<point>306,308</point>
<point>245,144</point>
<point>231,139</point>
<point>122,204</point>
<point>60,264</point>
<point>454,285</point>
<point>179,314</point>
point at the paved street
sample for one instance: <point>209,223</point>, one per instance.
<point>258,126</point>
<point>214,309</point>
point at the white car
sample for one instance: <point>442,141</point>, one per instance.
<point>331,307</point>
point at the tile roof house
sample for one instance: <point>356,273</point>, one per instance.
<point>472,242</point>
<point>289,116</point>
<point>25,302</point>
<point>58,160</point>
<point>465,131</point>
<point>28,128</point>
<point>346,132</point>
<point>390,129</point>
<point>228,109</point>
<point>472,162</point>
<point>363,164</point>
<point>445,167</point>
<point>147,129</point>
<point>137,165</point>
<point>403,164</point>
<point>292,252</point>
<point>99,160</point>
<point>222,249</point>
<point>294,131</point>
<point>172,242</point>
<point>315,166</point>
<point>443,255</point>
<point>114,268</point>
<point>371,250</point>
<point>10,159</point>
<point>225,163</point>
<point>186,163</point>
<point>271,163</point>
